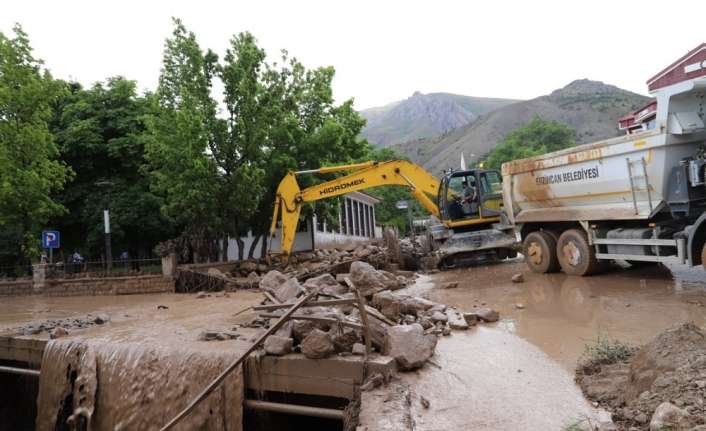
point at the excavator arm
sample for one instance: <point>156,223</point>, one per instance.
<point>290,198</point>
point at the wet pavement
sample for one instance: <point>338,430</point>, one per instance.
<point>164,319</point>
<point>561,314</point>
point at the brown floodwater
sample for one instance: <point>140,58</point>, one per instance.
<point>518,373</point>
<point>561,314</point>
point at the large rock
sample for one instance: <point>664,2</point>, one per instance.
<point>392,304</point>
<point>326,284</point>
<point>409,346</point>
<point>343,341</point>
<point>484,314</point>
<point>317,345</point>
<point>456,320</point>
<point>368,279</point>
<point>281,287</point>
<point>272,281</point>
<point>302,328</point>
<point>668,416</point>
<point>278,346</point>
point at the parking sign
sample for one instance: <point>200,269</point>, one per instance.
<point>50,239</point>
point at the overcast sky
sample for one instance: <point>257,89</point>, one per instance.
<point>382,50</point>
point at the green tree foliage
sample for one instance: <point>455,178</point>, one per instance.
<point>29,169</point>
<point>99,132</point>
<point>285,118</point>
<point>182,130</point>
<point>534,138</point>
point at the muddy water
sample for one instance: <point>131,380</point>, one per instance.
<point>144,365</point>
<point>562,314</point>
<point>126,386</point>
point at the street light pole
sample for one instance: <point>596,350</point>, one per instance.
<point>108,251</point>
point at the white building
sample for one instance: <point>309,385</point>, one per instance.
<point>356,224</point>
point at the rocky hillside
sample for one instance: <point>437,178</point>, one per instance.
<point>590,107</point>
<point>424,115</point>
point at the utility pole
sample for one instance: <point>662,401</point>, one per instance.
<point>108,251</point>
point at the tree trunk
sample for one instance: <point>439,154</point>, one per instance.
<point>253,246</point>
<point>264,249</point>
<point>225,247</point>
<point>241,248</point>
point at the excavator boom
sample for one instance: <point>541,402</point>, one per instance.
<point>290,198</point>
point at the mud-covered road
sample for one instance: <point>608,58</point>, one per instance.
<point>562,314</point>
<point>518,373</point>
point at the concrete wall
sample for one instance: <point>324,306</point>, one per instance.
<point>90,286</point>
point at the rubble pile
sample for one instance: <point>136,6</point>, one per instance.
<point>415,254</point>
<point>661,386</point>
<point>402,326</point>
<point>60,327</point>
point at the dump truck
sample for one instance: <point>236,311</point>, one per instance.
<point>466,204</point>
<point>640,197</point>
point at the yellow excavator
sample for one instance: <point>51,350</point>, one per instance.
<point>467,205</point>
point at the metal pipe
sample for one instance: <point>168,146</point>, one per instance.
<point>20,371</point>
<point>294,409</point>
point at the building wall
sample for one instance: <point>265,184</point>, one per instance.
<point>91,286</point>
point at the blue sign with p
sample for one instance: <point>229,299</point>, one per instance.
<point>50,239</point>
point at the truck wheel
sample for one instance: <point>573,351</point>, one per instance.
<point>540,252</point>
<point>703,256</point>
<point>576,257</point>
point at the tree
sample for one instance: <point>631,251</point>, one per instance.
<point>99,132</point>
<point>534,138</point>
<point>29,169</point>
<point>303,130</point>
<point>180,132</point>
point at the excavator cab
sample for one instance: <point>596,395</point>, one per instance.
<point>470,197</point>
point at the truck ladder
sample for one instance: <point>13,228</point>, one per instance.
<point>637,172</point>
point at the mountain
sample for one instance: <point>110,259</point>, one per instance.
<point>592,108</point>
<point>424,115</point>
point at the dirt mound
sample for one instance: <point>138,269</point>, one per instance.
<point>671,368</point>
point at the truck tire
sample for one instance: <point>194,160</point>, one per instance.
<point>575,256</point>
<point>703,256</point>
<point>539,249</point>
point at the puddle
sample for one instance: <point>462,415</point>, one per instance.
<point>562,314</point>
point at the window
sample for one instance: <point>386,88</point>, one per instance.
<point>491,183</point>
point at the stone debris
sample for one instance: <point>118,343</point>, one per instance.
<point>657,386</point>
<point>486,314</point>
<point>668,416</point>
<point>358,349</point>
<point>101,319</point>
<point>212,335</point>
<point>456,320</point>
<point>372,382</point>
<point>201,295</point>
<point>410,347</point>
<point>520,306</point>
<point>58,333</point>
<point>518,278</point>
<point>278,346</point>
<point>369,280</point>
<point>317,345</point>
<point>449,285</point>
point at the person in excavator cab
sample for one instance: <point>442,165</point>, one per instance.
<point>469,202</point>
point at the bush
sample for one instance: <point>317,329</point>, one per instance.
<point>604,351</point>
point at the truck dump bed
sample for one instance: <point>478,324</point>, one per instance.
<point>616,179</point>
